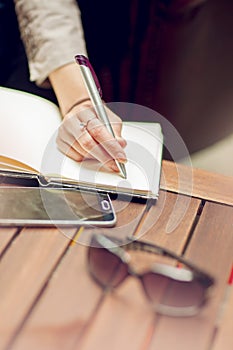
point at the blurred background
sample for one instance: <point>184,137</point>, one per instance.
<point>173,56</point>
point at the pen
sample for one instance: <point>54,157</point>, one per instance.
<point>95,93</point>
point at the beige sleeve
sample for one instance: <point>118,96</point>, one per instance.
<point>52,34</point>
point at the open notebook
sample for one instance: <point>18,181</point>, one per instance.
<point>28,148</point>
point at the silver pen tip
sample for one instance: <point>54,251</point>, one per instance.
<point>121,167</point>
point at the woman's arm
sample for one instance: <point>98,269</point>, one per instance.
<point>53,35</point>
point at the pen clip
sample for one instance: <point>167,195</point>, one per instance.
<point>84,61</point>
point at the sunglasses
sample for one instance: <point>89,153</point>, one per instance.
<point>171,290</point>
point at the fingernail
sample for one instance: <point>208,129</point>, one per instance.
<point>122,141</point>
<point>121,157</point>
<point>114,167</point>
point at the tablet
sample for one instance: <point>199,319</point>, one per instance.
<point>37,206</point>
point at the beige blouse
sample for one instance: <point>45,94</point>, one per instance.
<point>52,34</point>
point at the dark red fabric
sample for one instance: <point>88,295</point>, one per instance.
<point>178,62</point>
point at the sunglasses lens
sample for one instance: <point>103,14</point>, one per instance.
<point>106,268</point>
<point>178,294</point>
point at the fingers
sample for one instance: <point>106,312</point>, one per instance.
<point>69,151</point>
<point>104,139</point>
<point>77,154</point>
<point>82,135</point>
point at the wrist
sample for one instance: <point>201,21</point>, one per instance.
<point>78,103</point>
<point>69,87</point>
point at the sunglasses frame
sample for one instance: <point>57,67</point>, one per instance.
<point>120,248</point>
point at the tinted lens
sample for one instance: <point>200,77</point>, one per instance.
<point>154,285</point>
<point>106,267</point>
<point>184,294</point>
<point>178,294</point>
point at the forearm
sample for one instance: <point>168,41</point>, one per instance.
<point>69,87</point>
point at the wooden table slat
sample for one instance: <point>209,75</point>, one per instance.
<point>67,305</point>
<point>24,270</point>
<point>6,236</point>
<point>224,338</point>
<point>215,227</point>
<point>168,225</point>
<point>197,182</point>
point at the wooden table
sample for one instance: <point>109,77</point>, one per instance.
<point>49,301</point>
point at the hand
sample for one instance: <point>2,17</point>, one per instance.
<point>82,135</point>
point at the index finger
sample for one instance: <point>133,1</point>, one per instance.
<point>100,134</point>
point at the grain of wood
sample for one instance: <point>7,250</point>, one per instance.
<point>24,270</point>
<point>213,231</point>
<point>6,236</point>
<point>199,183</point>
<point>224,339</point>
